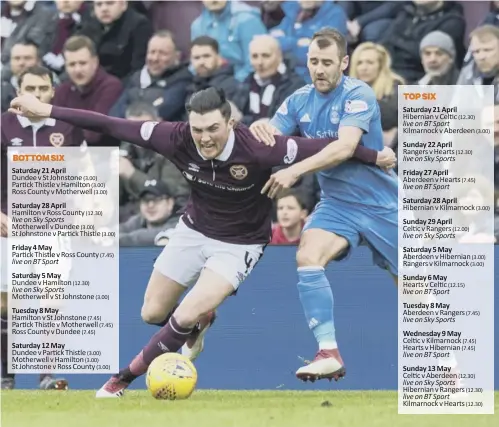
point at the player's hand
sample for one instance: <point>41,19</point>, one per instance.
<point>30,106</point>
<point>279,181</point>
<point>386,158</point>
<point>4,225</point>
<point>263,131</point>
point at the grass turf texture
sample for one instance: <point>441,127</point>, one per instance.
<point>26,408</point>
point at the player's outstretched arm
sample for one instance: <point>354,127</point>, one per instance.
<point>152,135</point>
<point>334,154</point>
<point>290,150</point>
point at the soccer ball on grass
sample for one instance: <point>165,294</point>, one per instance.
<point>171,376</point>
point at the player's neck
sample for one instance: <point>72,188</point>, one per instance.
<point>35,119</point>
<point>292,233</point>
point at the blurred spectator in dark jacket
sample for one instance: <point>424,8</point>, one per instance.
<point>89,87</point>
<point>24,21</point>
<point>296,30</point>
<point>156,214</point>
<point>371,63</point>
<point>492,17</point>
<point>120,34</point>
<point>438,56</point>
<point>271,82</point>
<point>138,165</point>
<point>233,25</point>
<point>22,56</point>
<point>413,22</point>
<point>161,82</point>
<point>69,18</point>
<point>368,20</point>
<point>484,68</point>
<point>291,214</point>
<point>274,11</point>
<point>210,70</point>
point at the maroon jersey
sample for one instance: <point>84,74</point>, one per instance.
<point>226,203</point>
<point>19,132</point>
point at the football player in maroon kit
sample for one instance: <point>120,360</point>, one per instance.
<point>227,222</point>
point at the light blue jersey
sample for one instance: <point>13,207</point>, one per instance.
<point>358,202</point>
<point>352,103</point>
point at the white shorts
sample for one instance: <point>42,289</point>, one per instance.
<point>189,251</point>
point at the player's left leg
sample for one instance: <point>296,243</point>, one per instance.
<point>327,236</point>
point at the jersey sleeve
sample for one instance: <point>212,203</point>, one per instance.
<point>285,117</point>
<point>161,137</point>
<point>359,108</point>
<point>288,150</point>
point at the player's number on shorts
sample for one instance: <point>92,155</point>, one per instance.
<point>250,262</point>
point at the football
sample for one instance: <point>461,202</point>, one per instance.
<point>171,376</point>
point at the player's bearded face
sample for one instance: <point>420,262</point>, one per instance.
<point>210,132</point>
<point>325,67</point>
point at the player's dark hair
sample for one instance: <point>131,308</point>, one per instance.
<point>206,41</point>
<point>293,193</point>
<point>36,70</point>
<point>141,108</point>
<point>208,100</point>
<point>327,37</point>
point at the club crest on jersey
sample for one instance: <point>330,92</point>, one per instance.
<point>356,106</point>
<point>239,172</point>
<point>56,139</point>
<point>334,116</point>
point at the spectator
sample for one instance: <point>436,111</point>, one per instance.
<point>121,35</point>
<point>273,12</point>
<point>412,24</point>
<point>22,56</point>
<point>438,56</point>
<point>297,28</point>
<point>89,87</point>
<point>272,81</point>
<point>23,22</point>
<point>138,165</point>
<point>20,131</point>
<point>484,68</point>
<point>70,16</point>
<point>161,82</point>
<point>371,63</point>
<point>233,25</point>
<point>291,214</point>
<point>156,214</point>
<point>210,70</point>
<point>367,20</point>
<point>492,18</point>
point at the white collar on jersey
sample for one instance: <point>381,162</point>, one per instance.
<point>227,151</point>
<point>25,122</point>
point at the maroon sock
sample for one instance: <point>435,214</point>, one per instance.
<point>169,339</point>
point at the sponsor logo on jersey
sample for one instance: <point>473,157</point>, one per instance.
<point>146,130</point>
<point>305,118</point>
<point>356,106</point>
<point>56,139</point>
<point>291,151</point>
<point>239,172</point>
<point>193,167</point>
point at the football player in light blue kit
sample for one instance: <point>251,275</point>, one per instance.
<point>359,203</point>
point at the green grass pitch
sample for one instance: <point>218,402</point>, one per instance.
<point>223,409</point>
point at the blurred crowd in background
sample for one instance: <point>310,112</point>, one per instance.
<point>120,58</point>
